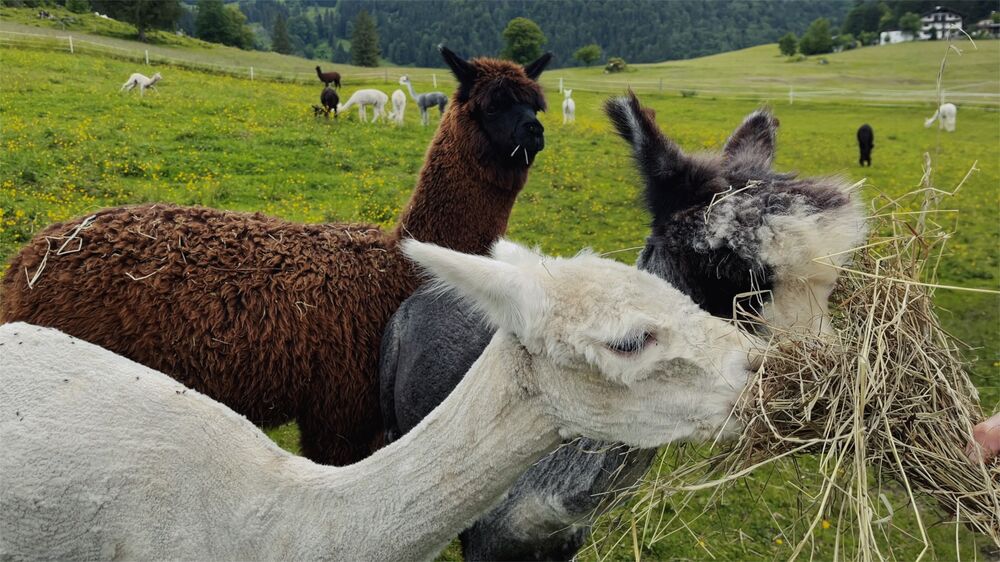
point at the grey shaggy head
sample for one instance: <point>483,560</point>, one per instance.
<point>728,228</point>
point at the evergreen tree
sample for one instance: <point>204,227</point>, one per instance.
<point>143,14</point>
<point>588,54</point>
<point>279,36</point>
<point>788,44</point>
<point>817,39</point>
<point>524,41</point>
<point>364,41</point>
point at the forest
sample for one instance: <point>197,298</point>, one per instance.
<point>638,31</point>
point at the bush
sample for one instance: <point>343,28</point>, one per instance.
<point>78,6</point>
<point>689,93</point>
<point>817,40</point>
<point>616,64</point>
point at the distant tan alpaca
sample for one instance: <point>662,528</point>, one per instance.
<point>141,81</point>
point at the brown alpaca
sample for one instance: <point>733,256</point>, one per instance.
<point>280,320</point>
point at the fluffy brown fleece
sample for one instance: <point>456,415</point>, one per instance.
<point>277,320</point>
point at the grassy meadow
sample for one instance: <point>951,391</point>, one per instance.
<point>72,144</point>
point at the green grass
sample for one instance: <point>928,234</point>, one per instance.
<point>71,144</point>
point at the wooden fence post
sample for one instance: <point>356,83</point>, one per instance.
<point>251,73</point>
<point>560,85</point>
<point>147,57</point>
<point>71,44</point>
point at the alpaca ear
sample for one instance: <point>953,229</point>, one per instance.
<point>661,162</point>
<point>463,70</point>
<point>515,254</point>
<point>534,69</point>
<point>755,139</point>
<point>508,295</point>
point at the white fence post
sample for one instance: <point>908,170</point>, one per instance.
<point>251,73</point>
<point>147,57</point>
<point>71,44</point>
<point>434,77</point>
<point>661,85</point>
<point>560,85</point>
<point>791,95</point>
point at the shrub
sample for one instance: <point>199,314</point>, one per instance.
<point>616,64</point>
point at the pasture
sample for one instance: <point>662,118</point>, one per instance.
<point>72,144</point>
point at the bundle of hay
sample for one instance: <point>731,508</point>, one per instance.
<point>887,398</point>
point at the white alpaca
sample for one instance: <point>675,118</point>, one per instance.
<point>569,108</point>
<point>398,107</point>
<point>105,458</point>
<point>945,116</point>
<point>363,98</point>
<point>142,81</point>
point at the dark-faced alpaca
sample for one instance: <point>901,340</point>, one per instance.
<point>329,99</point>
<point>433,339</point>
<point>733,233</point>
<point>866,142</point>
<point>279,320</point>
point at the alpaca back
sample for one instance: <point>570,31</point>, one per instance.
<point>53,385</point>
<point>231,304</point>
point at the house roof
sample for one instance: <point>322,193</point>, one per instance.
<point>941,9</point>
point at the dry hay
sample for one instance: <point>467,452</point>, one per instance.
<point>884,403</point>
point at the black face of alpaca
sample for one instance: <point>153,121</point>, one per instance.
<point>506,111</point>
<point>866,142</point>
<point>707,210</point>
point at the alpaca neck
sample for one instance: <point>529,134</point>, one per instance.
<point>462,200</point>
<point>409,86</point>
<point>415,495</point>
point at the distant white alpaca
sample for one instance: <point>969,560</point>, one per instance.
<point>398,107</point>
<point>104,458</point>
<point>142,81</point>
<point>363,98</point>
<point>569,108</point>
<point>945,115</point>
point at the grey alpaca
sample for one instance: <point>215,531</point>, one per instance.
<point>739,247</point>
<point>425,101</point>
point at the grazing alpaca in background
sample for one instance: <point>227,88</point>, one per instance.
<point>142,81</point>
<point>280,320</point>
<point>425,101</point>
<point>87,460</point>
<point>363,98</point>
<point>945,116</point>
<point>569,108</point>
<point>866,142</point>
<point>328,78</point>
<point>398,107</point>
<point>330,100</point>
<point>712,241</point>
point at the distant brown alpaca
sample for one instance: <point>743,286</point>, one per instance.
<point>280,320</point>
<point>328,78</point>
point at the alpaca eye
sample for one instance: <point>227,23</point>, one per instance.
<point>491,109</point>
<point>631,345</point>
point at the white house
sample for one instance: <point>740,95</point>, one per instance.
<point>940,23</point>
<point>894,36</point>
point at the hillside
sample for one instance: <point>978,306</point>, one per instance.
<point>72,144</point>
<point>902,73</point>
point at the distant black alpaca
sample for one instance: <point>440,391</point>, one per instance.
<point>329,99</point>
<point>724,226</point>
<point>866,142</point>
<point>329,77</point>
